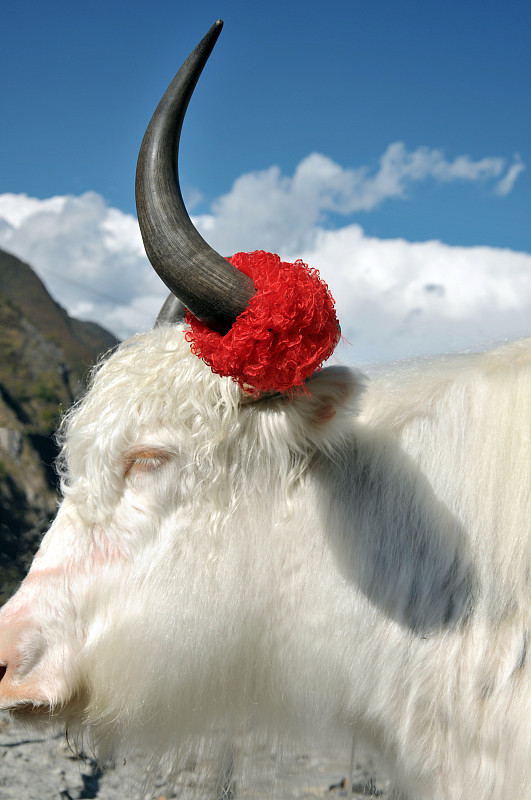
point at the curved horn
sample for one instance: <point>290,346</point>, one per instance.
<point>172,311</point>
<point>213,290</point>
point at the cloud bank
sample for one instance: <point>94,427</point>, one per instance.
<point>398,299</point>
<point>395,298</point>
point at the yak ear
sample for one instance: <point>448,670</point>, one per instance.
<point>332,390</point>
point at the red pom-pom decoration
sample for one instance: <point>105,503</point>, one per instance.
<point>287,331</point>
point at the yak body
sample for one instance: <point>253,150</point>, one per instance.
<point>353,559</point>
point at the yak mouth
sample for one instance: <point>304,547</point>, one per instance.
<point>27,711</point>
<point>43,712</point>
<point>28,707</point>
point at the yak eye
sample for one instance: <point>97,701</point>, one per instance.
<point>144,459</point>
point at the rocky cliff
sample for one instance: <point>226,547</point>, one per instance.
<point>45,361</point>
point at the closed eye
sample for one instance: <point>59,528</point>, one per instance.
<point>144,459</point>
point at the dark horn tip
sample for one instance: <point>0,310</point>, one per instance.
<point>215,30</point>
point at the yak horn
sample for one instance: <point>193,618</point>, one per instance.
<point>172,312</point>
<point>211,288</point>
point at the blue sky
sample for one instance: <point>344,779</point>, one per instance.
<point>286,79</point>
<point>345,80</point>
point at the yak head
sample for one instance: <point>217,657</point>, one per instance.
<point>155,599</point>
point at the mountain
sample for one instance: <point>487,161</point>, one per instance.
<point>45,361</point>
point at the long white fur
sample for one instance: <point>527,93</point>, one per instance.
<point>353,560</point>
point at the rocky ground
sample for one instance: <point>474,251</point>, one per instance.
<point>38,767</point>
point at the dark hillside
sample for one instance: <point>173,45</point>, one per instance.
<point>81,342</point>
<point>45,360</point>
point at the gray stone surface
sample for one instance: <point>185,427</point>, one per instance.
<point>35,766</point>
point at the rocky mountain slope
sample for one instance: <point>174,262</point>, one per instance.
<point>45,361</point>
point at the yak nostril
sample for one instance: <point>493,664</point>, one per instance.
<point>3,670</point>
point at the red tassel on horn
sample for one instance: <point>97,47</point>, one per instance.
<point>288,330</point>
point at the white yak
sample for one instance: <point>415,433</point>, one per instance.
<point>354,559</point>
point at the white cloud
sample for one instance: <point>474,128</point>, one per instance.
<point>395,298</point>
<point>399,299</point>
<point>505,186</point>
<point>15,209</point>
<point>267,207</point>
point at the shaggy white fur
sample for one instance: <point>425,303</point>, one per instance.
<point>352,560</point>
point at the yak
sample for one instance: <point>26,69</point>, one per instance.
<point>353,558</point>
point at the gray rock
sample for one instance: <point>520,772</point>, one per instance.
<point>43,767</point>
